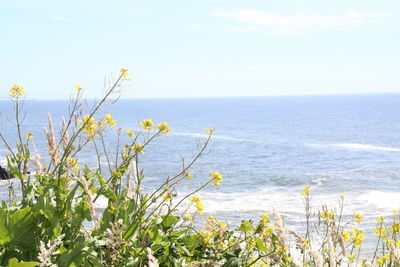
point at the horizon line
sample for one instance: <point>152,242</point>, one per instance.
<point>212,97</point>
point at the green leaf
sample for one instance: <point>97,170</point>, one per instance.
<point>17,228</point>
<point>14,263</point>
<point>246,226</point>
<point>260,245</point>
<point>170,220</point>
<point>192,241</point>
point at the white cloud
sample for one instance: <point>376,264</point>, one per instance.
<point>256,20</point>
<point>59,18</point>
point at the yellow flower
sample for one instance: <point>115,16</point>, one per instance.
<point>206,236</point>
<point>306,190</point>
<point>147,124</point>
<point>216,177</point>
<point>267,231</point>
<point>327,215</point>
<point>341,196</point>
<point>380,261</point>
<point>71,162</point>
<point>351,256</point>
<point>395,227</point>
<point>138,148</point>
<point>78,88</point>
<point>29,136</point>
<point>200,207</point>
<point>16,91</point>
<point>195,199</point>
<point>124,73</point>
<point>209,131</point>
<point>357,237</point>
<point>188,175</point>
<point>89,125</point>
<point>187,216</point>
<point>346,236</point>
<point>357,217</point>
<point>167,196</point>
<point>130,133</point>
<point>109,120</point>
<point>163,127</point>
<point>380,219</point>
<point>265,218</point>
<point>380,231</point>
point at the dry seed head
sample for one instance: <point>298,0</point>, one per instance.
<point>89,197</point>
<point>51,141</point>
<point>317,258</point>
<point>280,227</point>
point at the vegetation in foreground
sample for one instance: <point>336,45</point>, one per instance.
<point>49,218</point>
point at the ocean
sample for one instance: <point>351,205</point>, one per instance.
<point>266,148</point>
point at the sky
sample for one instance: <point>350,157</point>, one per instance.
<point>208,48</point>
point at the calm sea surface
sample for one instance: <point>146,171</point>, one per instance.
<point>267,149</point>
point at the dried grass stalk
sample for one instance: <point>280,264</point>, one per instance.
<point>51,142</point>
<point>280,227</point>
<point>64,134</point>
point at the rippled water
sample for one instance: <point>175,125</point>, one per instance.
<point>267,148</point>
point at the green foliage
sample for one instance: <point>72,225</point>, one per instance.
<point>53,221</point>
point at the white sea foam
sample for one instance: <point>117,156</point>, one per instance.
<point>367,147</point>
<point>290,202</point>
<point>356,146</point>
<point>214,137</point>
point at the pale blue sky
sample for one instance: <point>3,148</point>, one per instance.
<point>201,48</point>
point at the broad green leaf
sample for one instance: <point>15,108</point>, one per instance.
<point>170,220</point>
<point>14,263</point>
<point>260,245</point>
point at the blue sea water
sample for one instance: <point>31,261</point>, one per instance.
<point>267,149</point>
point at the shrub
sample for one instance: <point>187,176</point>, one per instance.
<point>51,220</point>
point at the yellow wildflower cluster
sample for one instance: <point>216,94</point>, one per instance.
<point>78,88</point>
<point>188,175</point>
<point>124,73</point>
<point>130,133</point>
<point>351,257</point>
<point>16,91</point>
<point>206,236</point>
<point>264,218</point>
<point>209,131</point>
<point>380,219</point>
<point>381,260</point>
<point>327,215</point>
<point>306,190</point>
<point>108,120</point>
<point>380,231</point>
<point>138,148</point>
<point>89,125</point>
<point>357,217</point>
<point>267,231</point>
<point>196,200</point>
<point>163,127</point>
<point>167,196</point>
<point>29,136</point>
<point>215,226</point>
<point>216,177</point>
<point>147,124</point>
<point>72,163</point>
<point>357,237</point>
<point>395,228</point>
<point>187,216</point>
